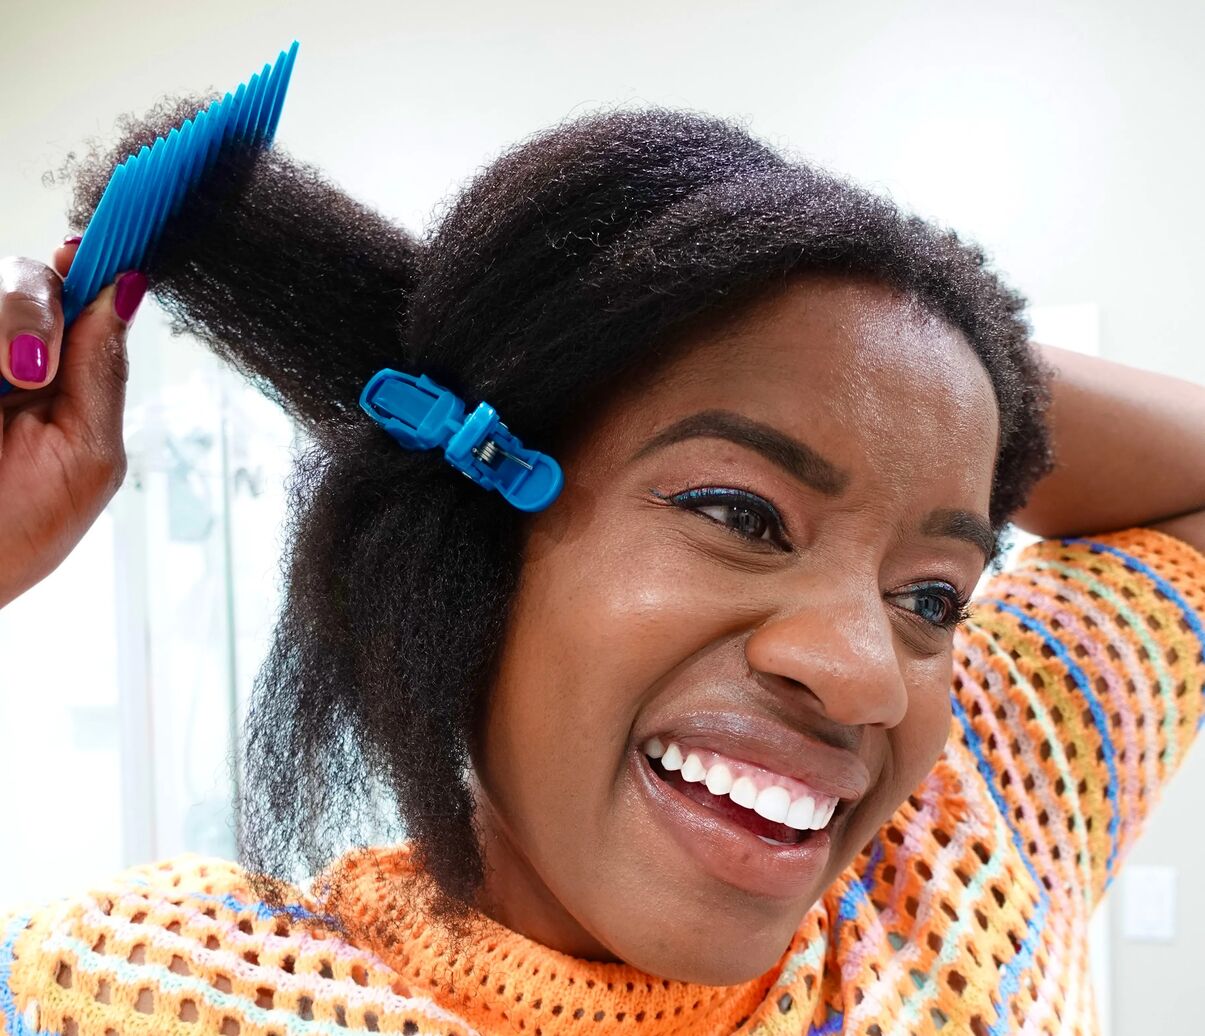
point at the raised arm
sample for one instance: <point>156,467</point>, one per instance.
<point>1129,451</point>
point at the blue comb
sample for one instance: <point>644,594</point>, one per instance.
<point>148,188</point>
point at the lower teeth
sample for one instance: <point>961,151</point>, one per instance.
<point>772,841</point>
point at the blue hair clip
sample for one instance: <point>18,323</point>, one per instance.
<point>422,415</point>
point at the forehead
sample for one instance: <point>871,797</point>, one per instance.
<point>853,368</point>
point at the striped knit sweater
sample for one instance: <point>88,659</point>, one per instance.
<point>1078,687</point>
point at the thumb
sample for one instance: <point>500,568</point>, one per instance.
<point>94,368</point>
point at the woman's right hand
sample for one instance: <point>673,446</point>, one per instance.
<point>61,451</point>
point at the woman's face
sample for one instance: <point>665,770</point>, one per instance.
<point>758,558</point>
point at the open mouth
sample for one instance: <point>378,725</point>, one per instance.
<point>779,810</point>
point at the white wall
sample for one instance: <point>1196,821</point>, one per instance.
<point>1064,136</point>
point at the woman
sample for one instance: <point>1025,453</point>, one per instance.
<point>680,753</point>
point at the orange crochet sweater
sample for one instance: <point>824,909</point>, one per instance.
<point>1078,687</point>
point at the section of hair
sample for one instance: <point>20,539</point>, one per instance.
<point>278,271</point>
<point>391,609</point>
<point>576,259</point>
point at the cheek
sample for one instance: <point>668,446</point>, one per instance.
<point>619,610</point>
<point>908,751</point>
<point>597,623</point>
<point>918,741</point>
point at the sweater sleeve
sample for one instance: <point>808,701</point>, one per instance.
<point>1078,688</point>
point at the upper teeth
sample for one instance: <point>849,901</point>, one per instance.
<point>783,800</point>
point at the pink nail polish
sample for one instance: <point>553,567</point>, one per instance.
<point>28,358</point>
<point>130,289</point>
<point>74,239</point>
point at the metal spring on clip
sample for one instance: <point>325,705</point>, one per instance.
<point>490,454</point>
<point>487,452</point>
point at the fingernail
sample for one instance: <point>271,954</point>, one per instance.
<point>28,358</point>
<point>130,289</point>
<point>74,239</point>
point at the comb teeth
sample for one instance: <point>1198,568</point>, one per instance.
<point>148,188</point>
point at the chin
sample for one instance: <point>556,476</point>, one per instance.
<point>714,948</point>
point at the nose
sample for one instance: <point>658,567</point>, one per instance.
<point>843,651</point>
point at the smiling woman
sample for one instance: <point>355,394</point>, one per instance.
<point>773,590</point>
<point>717,742</point>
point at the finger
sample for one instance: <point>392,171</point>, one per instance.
<point>29,398</point>
<point>31,322</point>
<point>64,254</point>
<point>91,386</point>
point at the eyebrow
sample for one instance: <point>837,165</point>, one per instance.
<point>797,458</point>
<point>963,525</point>
<point>809,467</point>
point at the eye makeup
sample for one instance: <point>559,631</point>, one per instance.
<point>757,521</point>
<point>741,512</point>
<point>954,604</point>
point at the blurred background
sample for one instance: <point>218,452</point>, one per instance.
<point>1065,137</point>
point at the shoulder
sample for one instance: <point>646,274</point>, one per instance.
<point>1082,639</point>
<point>188,945</point>
<point>1078,689</point>
<point>1068,598</point>
<point>136,942</point>
<point>1145,564</point>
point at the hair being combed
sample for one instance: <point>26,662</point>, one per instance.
<point>575,258</point>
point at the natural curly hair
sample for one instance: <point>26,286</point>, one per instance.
<point>577,257</point>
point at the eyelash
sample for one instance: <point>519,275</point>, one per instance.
<point>958,610</point>
<point>741,499</point>
<point>695,500</point>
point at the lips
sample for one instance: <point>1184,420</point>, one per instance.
<point>728,850</point>
<point>773,746</point>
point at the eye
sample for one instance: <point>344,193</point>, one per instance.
<point>938,604</point>
<point>744,513</point>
